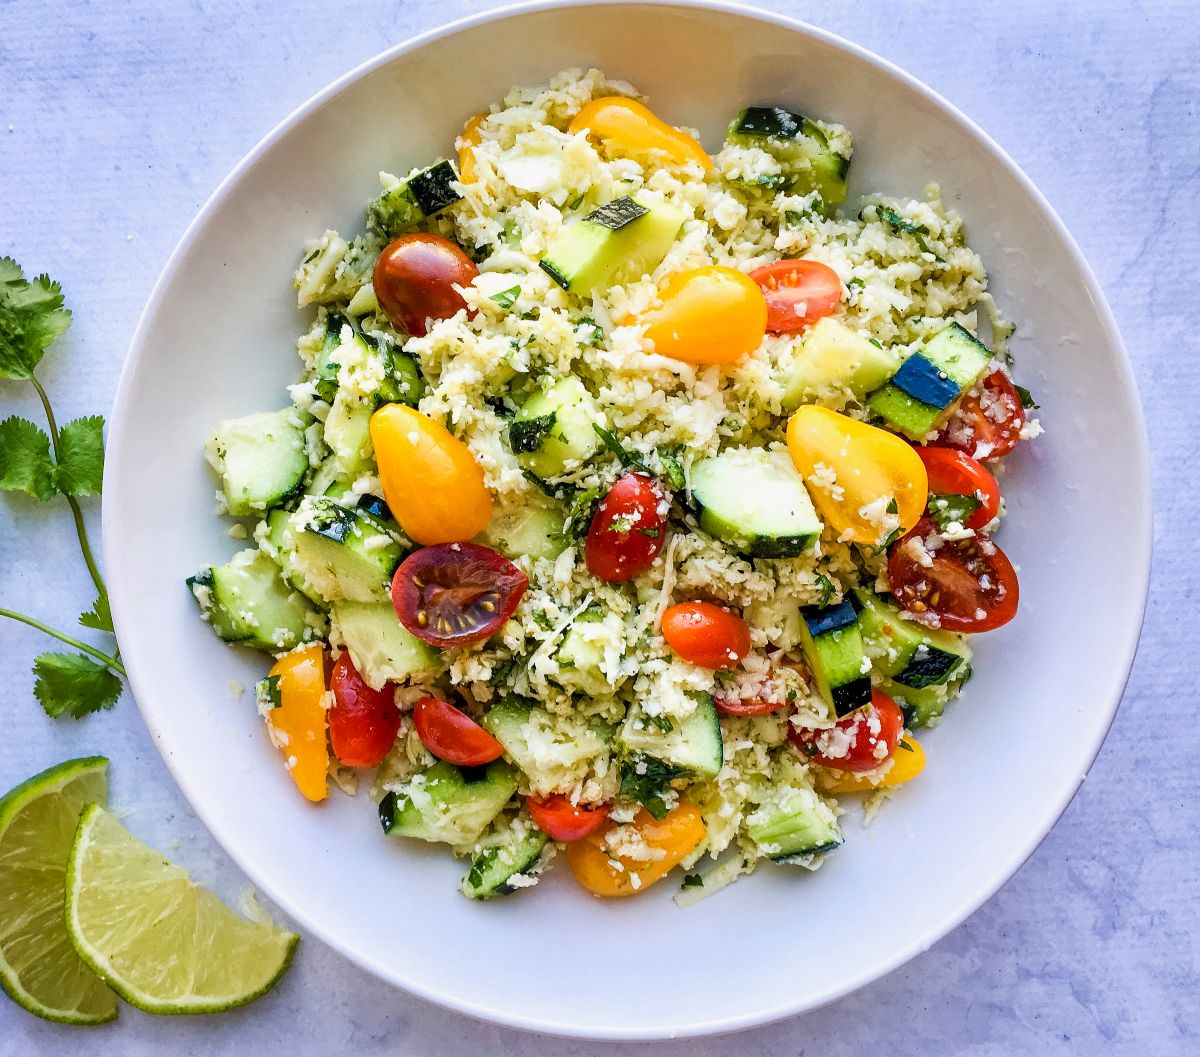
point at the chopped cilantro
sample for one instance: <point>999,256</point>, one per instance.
<point>948,509</point>
<point>826,589</point>
<point>1026,396</point>
<point>627,458</point>
<point>691,880</point>
<point>648,786</point>
<point>672,468</point>
<point>506,298</point>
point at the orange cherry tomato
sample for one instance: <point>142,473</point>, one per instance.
<point>431,482</point>
<point>953,473</point>
<point>363,721</point>
<point>561,820</point>
<point>708,315</point>
<point>798,293</point>
<point>604,873</point>
<point>908,761</point>
<point>451,735</point>
<point>415,280</point>
<point>469,139</point>
<point>706,634</point>
<point>297,724</point>
<point>628,126</point>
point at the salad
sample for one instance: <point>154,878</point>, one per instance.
<point>634,501</point>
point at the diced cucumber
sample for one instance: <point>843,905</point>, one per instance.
<point>447,804</point>
<point>832,361</point>
<point>495,869</point>
<point>618,243</point>
<point>923,706</point>
<point>905,651</point>
<point>753,499</point>
<point>342,553</point>
<point>247,601</point>
<point>260,459</point>
<point>348,433</point>
<point>278,544</point>
<point>794,823</point>
<point>556,429</point>
<point>548,748</point>
<point>800,145</point>
<point>383,649</point>
<point>580,656</point>
<point>401,384</point>
<point>325,378</point>
<point>833,647</point>
<point>422,195</point>
<point>692,746</point>
<point>534,529</point>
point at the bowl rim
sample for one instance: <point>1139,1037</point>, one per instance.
<point>1139,547</point>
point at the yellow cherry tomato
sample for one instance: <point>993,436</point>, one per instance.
<point>297,725</point>
<point>854,473</point>
<point>630,127</point>
<point>431,481</point>
<point>907,763</point>
<point>469,139</point>
<point>592,861</point>
<point>708,315</point>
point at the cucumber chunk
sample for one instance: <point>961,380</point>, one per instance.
<point>260,459</point>
<point>753,499</point>
<point>800,145</point>
<point>549,749</point>
<point>382,649</point>
<point>448,804</point>
<point>925,705</point>
<point>497,870</point>
<point>342,553</point>
<point>556,429</point>
<point>832,361</point>
<point>793,825</point>
<point>692,746</point>
<point>833,647</point>
<point>278,544</point>
<point>401,384</point>
<point>422,195</point>
<point>580,656</point>
<point>905,651</point>
<point>533,529</point>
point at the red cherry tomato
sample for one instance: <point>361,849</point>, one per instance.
<point>798,293</point>
<point>853,744</point>
<point>968,585</point>
<point>951,472</point>
<point>363,721</point>
<point>451,735</point>
<point>415,279</point>
<point>987,423</point>
<point>628,529</point>
<point>561,820</point>
<point>706,634</point>
<point>456,594</point>
<point>755,706</point>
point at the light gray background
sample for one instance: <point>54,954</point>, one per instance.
<point>119,117</point>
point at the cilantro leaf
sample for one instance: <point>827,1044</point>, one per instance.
<point>579,513</point>
<point>31,317</point>
<point>99,617</point>
<point>627,457</point>
<point>673,469</point>
<point>507,298</point>
<point>691,880</point>
<point>1026,398</point>
<point>645,779</point>
<point>81,458</point>
<point>25,463</point>
<point>69,682</point>
<point>947,509</point>
<point>826,589</point>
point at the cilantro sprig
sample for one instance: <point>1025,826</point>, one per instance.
<point>45,464</point>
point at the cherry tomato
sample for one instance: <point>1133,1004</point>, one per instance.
<point>470,139</point>
<point>854,744</point>
<point>908,761</point>
<point>628,529</point>
<point>987,423</point>
<point>959,585</point>
<point>432,483</point>
<point>604,873</point>
<point>706,634</point>
<point>363,722</point>
<point>798,293</point>
<point>708,315</point>
<point>415,279</point>
<point>854,472</point>
<point>953,473</point>
<point>754,706</point>
<point>456,594</point>
<point>451,735</point>
<point>297,724</point>
<point>561,820</point>
<point>626,125</point>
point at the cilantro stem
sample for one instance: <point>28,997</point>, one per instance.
<point>80,525</point>
<point>103,658</point>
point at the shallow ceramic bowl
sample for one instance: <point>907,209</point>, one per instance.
<point>217,340</point>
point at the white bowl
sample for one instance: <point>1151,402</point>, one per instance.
<point>217,339</point>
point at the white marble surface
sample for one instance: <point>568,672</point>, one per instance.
<point>117,119</point>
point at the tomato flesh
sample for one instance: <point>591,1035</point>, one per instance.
<point>627,530</point>
<point>456,594</point>
<point>706,634</point>
<point>561,820</point>
<point>988,422</point>
<point>861,741</point>
<point>968,585</point>
<point>754,706</point>
<point>415,279</point>
<point>363,721</point>
<point>951,472</point>
<point>451,735</point>
<point>798,293</point>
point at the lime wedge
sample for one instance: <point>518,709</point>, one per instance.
<point>161,942</point>
<point>39,967</point>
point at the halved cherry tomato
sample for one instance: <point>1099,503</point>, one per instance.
<point>860,741</point>
<point>297,724</point>
<point>959,585</point>
<point>363,722</point>
<point>561,820</point>
<point>605,873</point>
<point>706,634</point>
<point>798,293</point>
<point>908,761</point>
<point>987,423</point>
<point>451,735</point>
<point>469,139</point>
<point>953,473</point>
<point>432,483</point>
<point>415,279</point>
<point>707,315</point>
<point>628,529</point>
<point>627,125</point>
<point>854,472</point>
<point>456,594</point>
<point>755,706</point>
